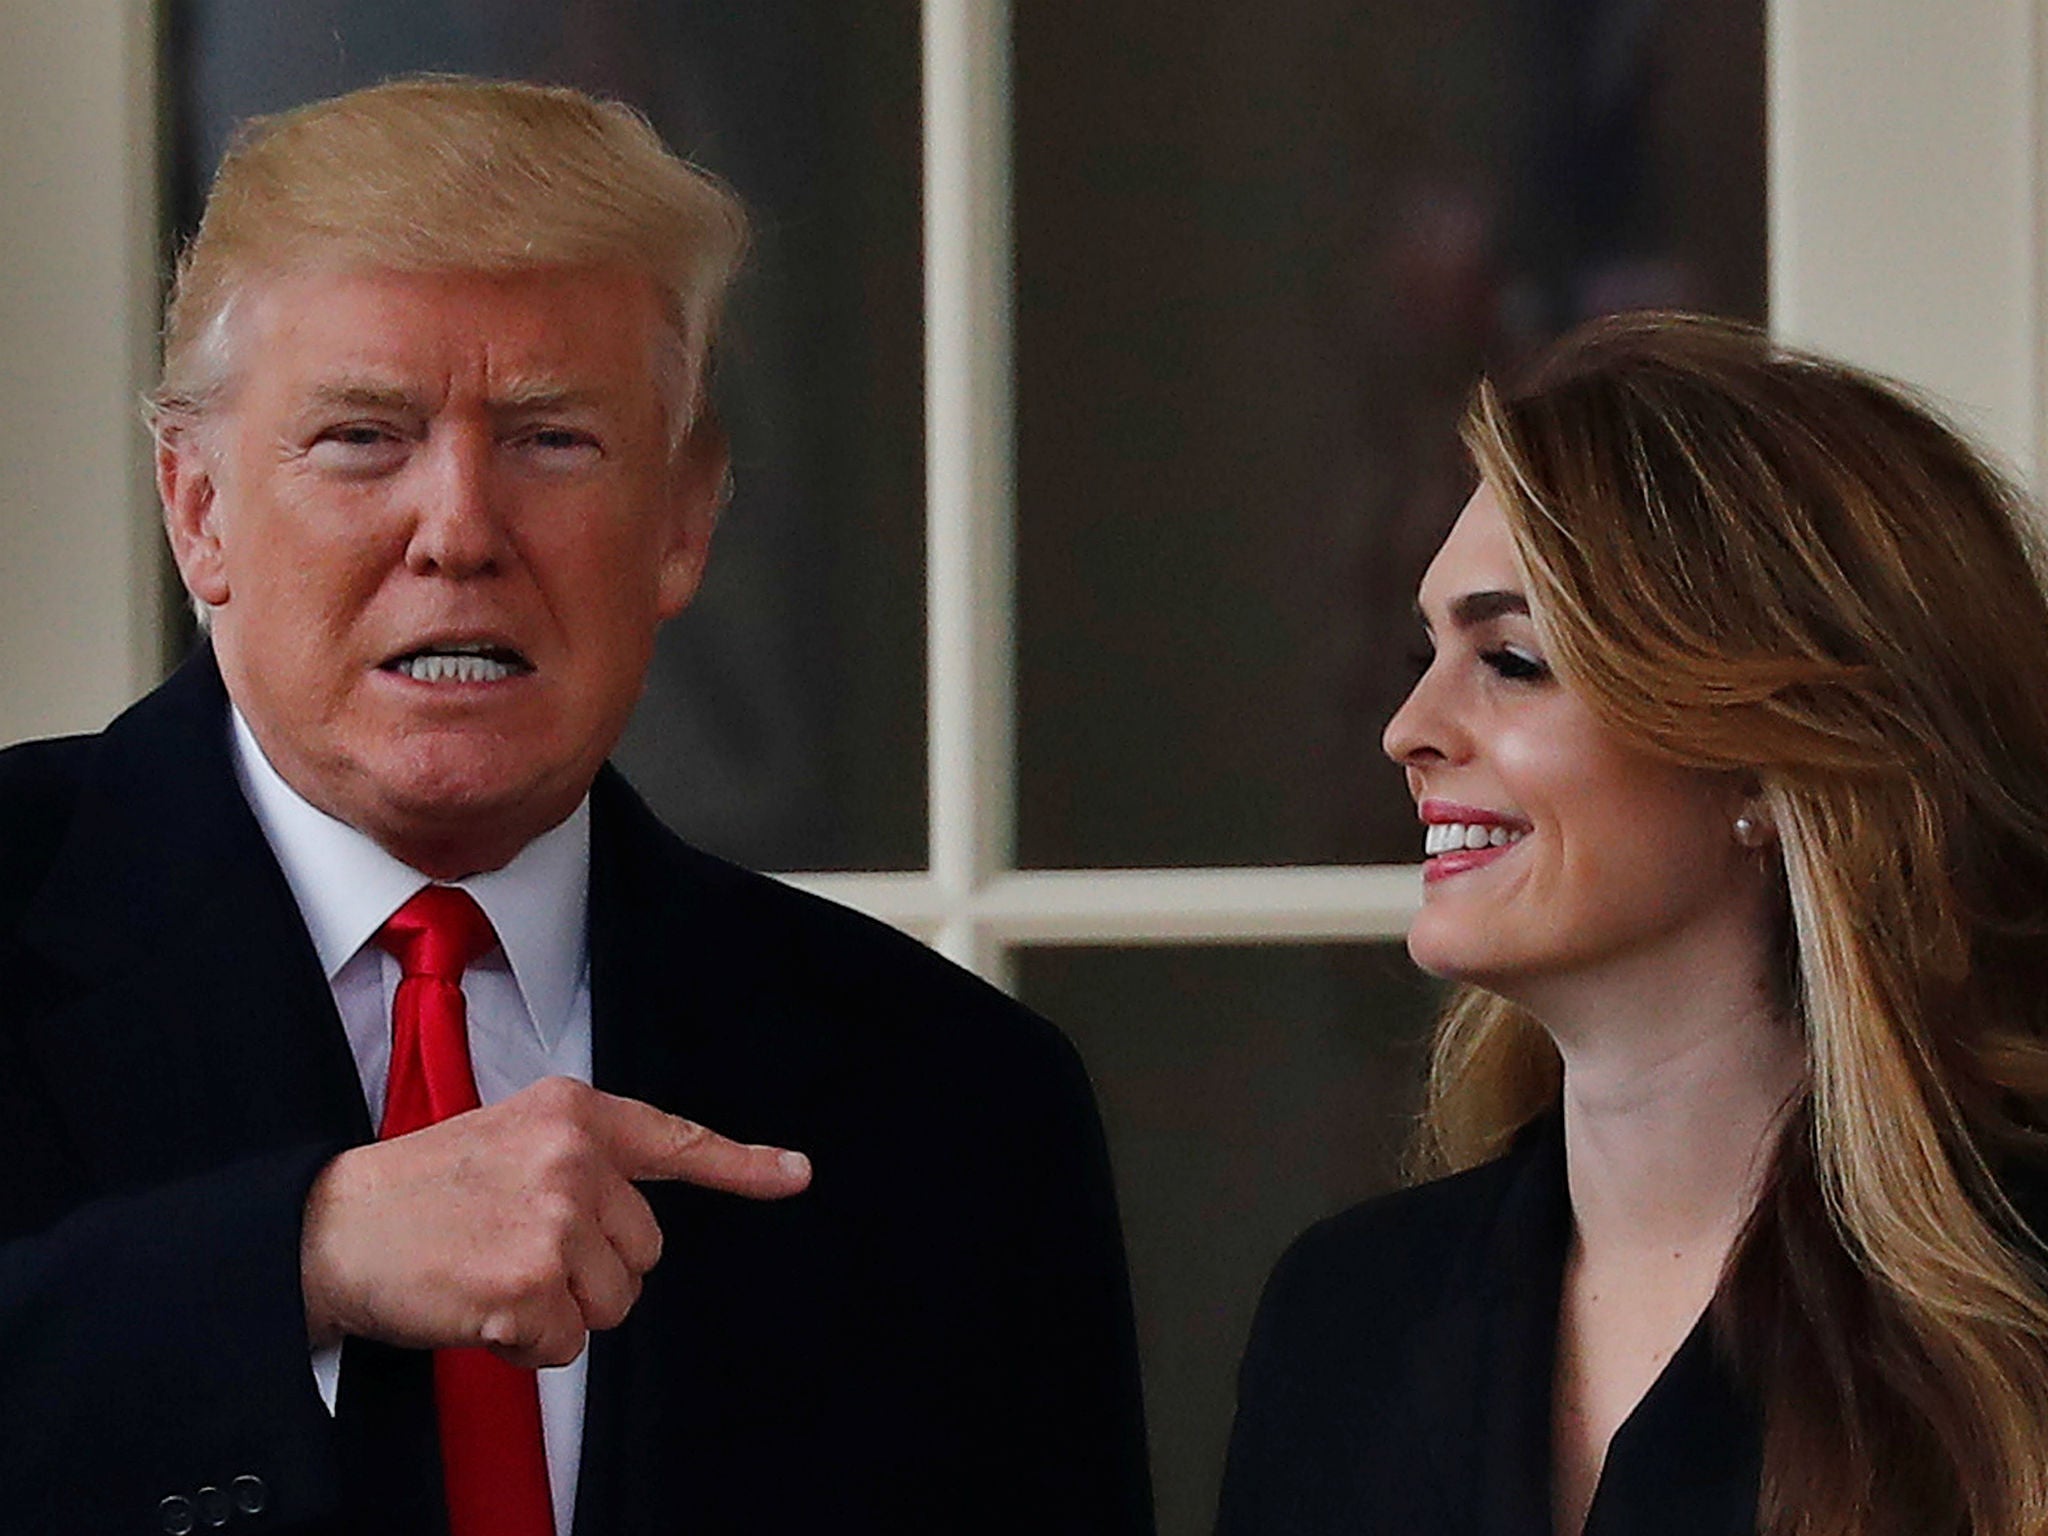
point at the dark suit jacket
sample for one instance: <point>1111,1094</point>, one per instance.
<point>935,1337</point>
<point>1399,1380</point>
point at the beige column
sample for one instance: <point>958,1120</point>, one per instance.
<point>78,606</point>
<point>1906,210</point>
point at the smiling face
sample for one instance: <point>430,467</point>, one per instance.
<point>437,523</point>
<point>1556,849</point>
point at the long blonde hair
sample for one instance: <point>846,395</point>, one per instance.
<point>1750,558</point>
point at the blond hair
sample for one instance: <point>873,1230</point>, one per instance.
<point>1750,558</point>
<point>443,173</point>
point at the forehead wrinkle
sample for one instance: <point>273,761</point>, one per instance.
<point>540,395</point>
<point>506,371</point>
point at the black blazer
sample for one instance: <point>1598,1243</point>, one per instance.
<point>1399,1380</point>
<point>935,1337</point>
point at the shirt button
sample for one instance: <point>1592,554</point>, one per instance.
<point>215,1507</point>
<point>178,1516</point>
<point>251,1494</point>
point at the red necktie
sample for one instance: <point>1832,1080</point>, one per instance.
<point>493,1460</point>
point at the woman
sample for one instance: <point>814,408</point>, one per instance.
<point>1733,760</point>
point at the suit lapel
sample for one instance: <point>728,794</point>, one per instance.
<point>1483,1364</point>
<point>1688,1460</point>
<point>633,1060</point>
<point>689,1014</point>
<point>1684,1461</point>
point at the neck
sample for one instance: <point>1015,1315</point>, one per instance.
<point>1673,1098</point>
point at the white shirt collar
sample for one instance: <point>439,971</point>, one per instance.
<point>346,886</point>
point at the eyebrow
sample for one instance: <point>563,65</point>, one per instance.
<point>1480,607</point>
<point>361,397</point>
<point>518,399</point>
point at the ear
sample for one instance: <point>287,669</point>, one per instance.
<point>188,486</point>
<point>699,483</point>
<point>1749,816</point>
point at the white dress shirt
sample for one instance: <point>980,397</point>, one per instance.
<point>528,1001</point>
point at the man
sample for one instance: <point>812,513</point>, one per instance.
<point>435,462</point>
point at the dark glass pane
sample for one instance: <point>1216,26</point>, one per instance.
<point>1246,1093</point>
<point>1263,250</point>
<point>784,718</point>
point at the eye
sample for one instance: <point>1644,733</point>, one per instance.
<point>357,447</point>
<point>359,435</point>
<point>1515,665</point>
<point>556,445</point>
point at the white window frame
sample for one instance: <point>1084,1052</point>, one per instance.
<point>973,903</point>
<point>1875,105</point>
<point>1907,233</point>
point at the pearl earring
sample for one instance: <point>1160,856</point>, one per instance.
<point>1748,831</point>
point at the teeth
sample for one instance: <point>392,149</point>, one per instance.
<point>1451,836</point>
<point>442,666</point>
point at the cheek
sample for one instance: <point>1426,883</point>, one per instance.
<point>310,609</point>
<point>1549,778</point>
<point>604,594</point>
<point>606,555</point>
<point>1650,843</point>
<point>1616,821</point>
<point>315,556</point>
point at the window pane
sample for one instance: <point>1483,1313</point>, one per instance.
<point>784,717</point>
<point>1246,1093</point>
<point>1263,250</point>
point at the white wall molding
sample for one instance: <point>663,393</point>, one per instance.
<point>1142,906</point>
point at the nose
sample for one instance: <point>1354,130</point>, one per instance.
<point>457,531</point>
<point>1423,730</point>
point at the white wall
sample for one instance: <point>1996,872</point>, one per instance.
<point>77,295</point>
<point>1906,192</point>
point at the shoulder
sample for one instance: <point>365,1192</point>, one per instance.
<point>1369,1316</point>
<point>1400,1250</point>
<point>898,998</point>
<point>39,789</point>
<point>39,780</point>
<point>160,766</point>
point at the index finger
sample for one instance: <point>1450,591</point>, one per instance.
<point>648,1143</point>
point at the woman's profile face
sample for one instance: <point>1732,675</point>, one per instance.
<point>1554,848</point>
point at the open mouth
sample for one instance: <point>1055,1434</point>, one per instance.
<point>1454,836</point>
<point>1458,838</point>
<point>459,663</point>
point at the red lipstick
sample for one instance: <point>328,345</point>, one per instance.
<point>1459,860</point>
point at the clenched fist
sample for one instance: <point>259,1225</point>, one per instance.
<point>516,1227</point>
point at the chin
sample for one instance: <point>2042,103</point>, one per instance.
<point>450,842</point>
<point>1456,956</point>
<point>1437,953</point>
<point>457,779</point>
<point>462,805</point>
